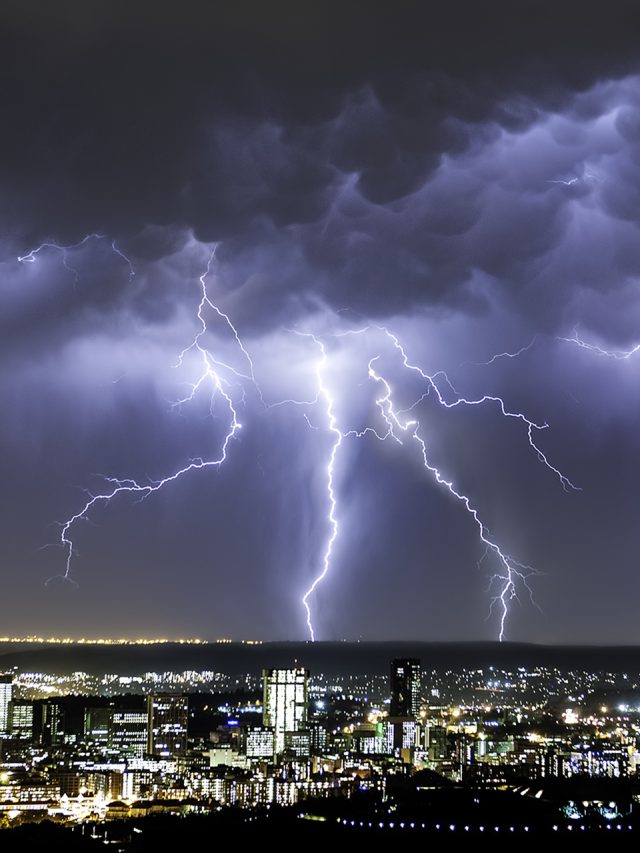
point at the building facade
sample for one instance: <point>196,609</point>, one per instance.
<point>6,694</point>
<point>167,719</point>
<point>284,703</point>
<point>406,685</point>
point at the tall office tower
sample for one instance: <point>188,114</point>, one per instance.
<point>405,687</point>
<point>285,703</point>
<point>53,723</point>
<point>437,743</point>
<point>97,724</point>
<point>167,716</point>
<point>128,734</point>
<point>21,720</point>
<point>6,693</point>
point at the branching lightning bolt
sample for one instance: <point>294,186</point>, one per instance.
<point>567,485</point>
<point>399,424</point>
<point>324,394</point>
<point>619,355</point>
<point>31,256</point>
<point>211,376</point>
<point>514,573</point>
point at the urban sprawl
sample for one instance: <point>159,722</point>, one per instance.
<point>82,747</point>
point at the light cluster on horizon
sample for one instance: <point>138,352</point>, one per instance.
<point>123,641</point>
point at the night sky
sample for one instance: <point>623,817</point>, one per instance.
<point>464,175</point>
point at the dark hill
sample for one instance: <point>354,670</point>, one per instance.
<point>338,659</point>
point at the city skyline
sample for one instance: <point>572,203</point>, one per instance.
<point>320,326</point>
<point>432,749</point>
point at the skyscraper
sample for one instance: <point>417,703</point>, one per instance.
<point>97,723</point>
<point>129,732</point>
<point>167,715</point>
<point>405,687</point>
<point>21,720</point>
<point>6,693</point>
<point>284,703</point>
<point>53,723</point>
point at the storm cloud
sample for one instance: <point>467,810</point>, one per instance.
<point>468,176</point>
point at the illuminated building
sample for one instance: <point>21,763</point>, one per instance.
<point>298,744</point>
<point>407,734</point>
<point>120,730</point>
<point>6,693</point>
<point>284,703</point>
<point>405,687</point>
<point>258,742</point>
<point>97,723</point>
<point>437,743</point>
<point>128,734</point>
<point>52,724</point>
<point>167,717</point>
<point>21,720</point>
<point>318,736</point>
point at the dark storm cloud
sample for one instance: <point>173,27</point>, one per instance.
<point>115,119</point>
<point>292,125</point>
<point>468,172</point>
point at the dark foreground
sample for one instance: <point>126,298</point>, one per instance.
<point>496,819</point>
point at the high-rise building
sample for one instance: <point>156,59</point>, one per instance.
<point>128,734</point>
<point>298,744</point>
<point>405,687</point>
<point>53,723</point>
<point>119,730</point>
<point>437,743</point>
<point>284,703</point>
<point>318,736</point>
<point>258,742</point>
<point>21,720</point>
<point>6,694</point>
<point>97,724</point>
<point>167,715</point>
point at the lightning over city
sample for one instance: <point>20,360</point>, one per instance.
<point>319,407</point>
<point>322,326</point>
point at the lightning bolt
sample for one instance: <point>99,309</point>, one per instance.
<point>221,379</point>
<point>213,374</point>
<point>432,385</point>
<point>324,394</point>
<point>31,256</point>
<point>619,355</point>
<point>132,272</point>
<point>513,573</point>
<point>568,183</point>
<point>531,426</point>
<point>500,355</point>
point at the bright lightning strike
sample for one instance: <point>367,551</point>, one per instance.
<point>323,393</point>
<point>531,426</point>
<point>211,375</point>
<point>338,436</point>
<point>513,573</point>
<point>221,379</point>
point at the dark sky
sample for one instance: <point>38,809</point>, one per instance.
<point>466,175</point>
